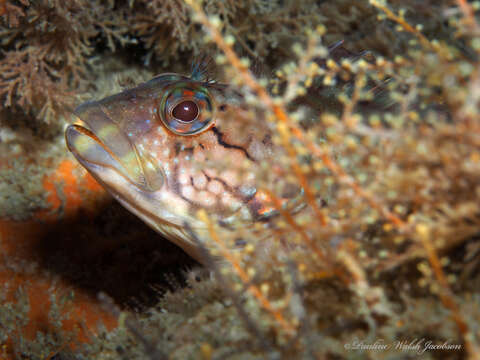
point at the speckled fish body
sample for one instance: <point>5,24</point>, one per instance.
<point>172,146</point>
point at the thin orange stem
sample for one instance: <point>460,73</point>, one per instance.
<point>403,23</point>
<point>445,294</point>
<point>291,221</point>
<point>243,275</point>
<point>468,13</point>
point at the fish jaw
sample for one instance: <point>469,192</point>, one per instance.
<point>91,152</point>
<point>160,209</point>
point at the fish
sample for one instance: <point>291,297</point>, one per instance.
<point>175,145</point>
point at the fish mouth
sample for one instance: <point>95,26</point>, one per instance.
<point>99,143</point>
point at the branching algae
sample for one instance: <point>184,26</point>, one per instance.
<point>333,194</point>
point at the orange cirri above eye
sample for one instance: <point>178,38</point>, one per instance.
<point>186,108</point>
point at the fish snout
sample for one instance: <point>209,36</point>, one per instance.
<point>99,143</point>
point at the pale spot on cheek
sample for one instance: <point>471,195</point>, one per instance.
<point>206,199</point>
<point>215,187</point>
<point>164,196</point>
<point>199,156</point>
<point>250,176</point>
<point>188,192</point>
<point>230,177</point>
<point>184,179</point>
<point>257,150</point>
<point>245,214</point>
<point>200,181</point>
<point>166,169</point>
<point>247,191</point>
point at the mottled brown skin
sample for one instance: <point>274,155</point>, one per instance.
<point>165,177</point>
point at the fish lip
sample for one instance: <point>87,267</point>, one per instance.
<point>89,163</point>
<point>82,128</point>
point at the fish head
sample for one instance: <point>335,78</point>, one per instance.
<point>172,146</point>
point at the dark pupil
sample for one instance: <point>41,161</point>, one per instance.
<point>185,111</point>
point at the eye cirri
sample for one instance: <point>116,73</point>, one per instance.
<point>186,109</point>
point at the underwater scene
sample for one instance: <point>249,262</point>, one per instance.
<point>223,179</point>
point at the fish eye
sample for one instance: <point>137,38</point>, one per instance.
<point>186,109</point>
